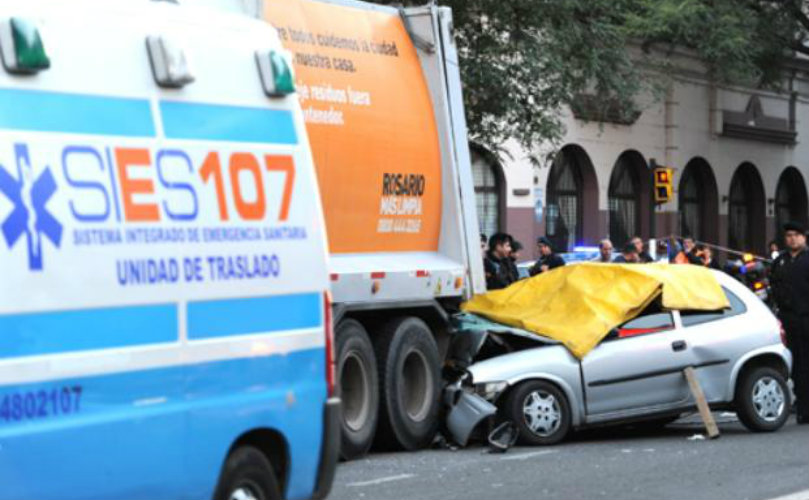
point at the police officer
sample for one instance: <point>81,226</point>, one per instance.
<point>547,258</point>
<point>790,282</point>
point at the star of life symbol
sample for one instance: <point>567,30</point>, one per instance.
<point>29,217</point>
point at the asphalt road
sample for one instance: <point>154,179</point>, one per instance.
<point>613,464</point>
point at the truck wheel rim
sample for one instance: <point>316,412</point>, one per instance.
<point>354,392</point>
<point>768,399</point>
<point>417,385</point>
<point>542,413</point>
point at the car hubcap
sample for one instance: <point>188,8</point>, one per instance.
<point>243,493</point>
<point>542,413</point>
<point>768,399</point>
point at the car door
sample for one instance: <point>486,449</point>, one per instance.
<point>717,340</point>
<point>638,369</point>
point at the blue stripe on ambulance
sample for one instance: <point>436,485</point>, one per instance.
<point>40,111</point>
<point>167,435</point>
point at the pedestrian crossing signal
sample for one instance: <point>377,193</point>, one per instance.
<point>663,184</point>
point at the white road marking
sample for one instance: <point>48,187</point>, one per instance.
<point>800,495</point>
<point>382,480</point>
<point>525,456</point>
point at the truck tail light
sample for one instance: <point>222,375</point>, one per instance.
<point>329,332</point>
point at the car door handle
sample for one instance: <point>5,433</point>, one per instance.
<point>678,345</point>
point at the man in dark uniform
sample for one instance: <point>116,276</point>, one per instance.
<point>790,282</point>
<point>547,258</point>
<point>629,255</point>
<point>497,264</point>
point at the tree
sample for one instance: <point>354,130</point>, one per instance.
<point>522,61</point>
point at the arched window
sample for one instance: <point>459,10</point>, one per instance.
<point>563,224</point>
<point>746,210</point>
<point>488,190</point>
<point>698,201</point>
<point>624,201</point>
<point>790,199</point>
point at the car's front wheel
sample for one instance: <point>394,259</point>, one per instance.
<point>762,400</point>
<point>540,411</point>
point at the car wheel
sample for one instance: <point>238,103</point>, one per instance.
<point>541,412</point>
<point>358,388</point>
<point>248,475</point>
<point>410,383</point>
<point>762,400</point>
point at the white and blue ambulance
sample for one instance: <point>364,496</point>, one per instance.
<point>164,315</point>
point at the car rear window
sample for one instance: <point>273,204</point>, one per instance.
<point>691,318</point>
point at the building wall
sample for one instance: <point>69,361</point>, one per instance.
<point>685,124</point>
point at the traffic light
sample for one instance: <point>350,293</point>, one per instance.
<point>663,184</point>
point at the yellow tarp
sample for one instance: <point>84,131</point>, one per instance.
<point>579,304</point>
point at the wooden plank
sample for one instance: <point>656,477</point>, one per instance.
<point>702,404</point>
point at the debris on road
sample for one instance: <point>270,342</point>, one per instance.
<point>697,437</point>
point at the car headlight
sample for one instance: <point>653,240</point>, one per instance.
<point>490,390</point>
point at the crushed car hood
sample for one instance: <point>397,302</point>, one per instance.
<point>579,304</point>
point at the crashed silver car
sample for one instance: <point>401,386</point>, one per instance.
<point>634,374</point>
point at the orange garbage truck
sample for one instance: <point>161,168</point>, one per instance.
<point>381,98</point>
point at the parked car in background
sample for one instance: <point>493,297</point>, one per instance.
<point>636,373</point>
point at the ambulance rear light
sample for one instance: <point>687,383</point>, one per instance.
<point>275,71</point>
<point>170,67</point>
<point>22,48</point>
<point>329,333</point>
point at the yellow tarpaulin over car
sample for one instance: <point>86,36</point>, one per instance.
<point>579,304</point>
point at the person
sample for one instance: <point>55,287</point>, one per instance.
<point>774,249</point>
<point>790,285</point>
<point>690,250</point>
<point>516,248</point>
<point>500,270</point>
<point>604,251</point>
<point>643,255</point>
<point>483,241</point>
<point>547,258</point>
<point>705,254</point>
<point>629,254</point>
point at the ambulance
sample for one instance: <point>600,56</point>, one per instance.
<point>382,100</point>
<point>164,306</point>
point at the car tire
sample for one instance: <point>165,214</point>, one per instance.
<point>247,474</point>
<point>762,399</point>
<point>540,411</point>
<point>410,384</point>
<point>358,388</point>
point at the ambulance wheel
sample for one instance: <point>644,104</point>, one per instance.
<point>247,475</point>
<point>358,389</point>
<point>410,384</point>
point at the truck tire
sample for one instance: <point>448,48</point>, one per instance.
<point>410,383</point>
<point>247,474</point>
<point>358,389</point>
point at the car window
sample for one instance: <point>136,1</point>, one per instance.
<point>691,318</point>
<point>647,323</point>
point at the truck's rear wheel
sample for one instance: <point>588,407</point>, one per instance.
<point>409,374</point>
<point>358,387</point>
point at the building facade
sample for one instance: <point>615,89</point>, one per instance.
<point>740,158</point>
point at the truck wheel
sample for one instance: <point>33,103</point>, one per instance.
<point>409,372</point>
<point>248,475</point>
<point>762,400</point>
<point>358,388</point>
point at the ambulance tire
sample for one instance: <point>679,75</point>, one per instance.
<point>358,387</point>
<point>247,474</point>
<point>410,384</point>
